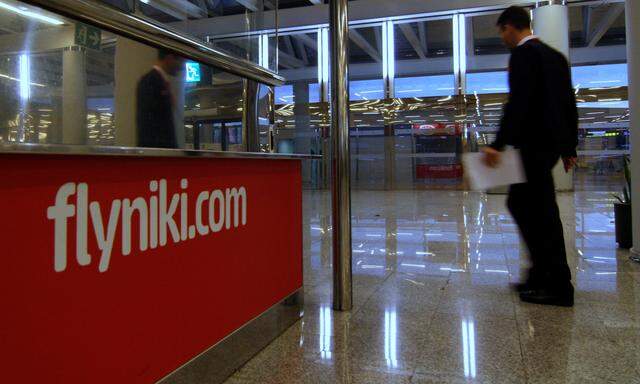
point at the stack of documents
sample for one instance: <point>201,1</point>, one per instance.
<point>482,177</point>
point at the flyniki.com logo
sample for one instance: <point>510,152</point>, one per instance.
<point>156,216</point>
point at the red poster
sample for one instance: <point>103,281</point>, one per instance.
<point>121,269</point>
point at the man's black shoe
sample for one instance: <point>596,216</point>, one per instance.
<point>522,287</point>
<point>543,296</point>
<point>519,287</point>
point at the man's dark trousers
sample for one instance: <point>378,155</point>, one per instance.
<point>533,206</point>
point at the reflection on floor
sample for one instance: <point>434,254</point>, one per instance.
<point>588,180</point>
<point>432,303</point>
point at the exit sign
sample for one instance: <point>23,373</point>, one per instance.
<point>88,36</point>
<point>192,72</point>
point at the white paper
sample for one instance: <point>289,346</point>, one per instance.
<point>508,171</point>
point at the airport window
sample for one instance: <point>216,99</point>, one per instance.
<point>423,58</point>
<point>366,89</point>
<point>284,93</point>
<point>257,48</point>
<point>487,57</point>
<point>366,62</point>
<point>487,82</point>
<point>598,76</point>
<point>298,62</point>
<point>485,39</point>
<point>597,25</point>
<point>425,86</point>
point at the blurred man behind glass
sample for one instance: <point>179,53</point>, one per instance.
<point>157,103</point>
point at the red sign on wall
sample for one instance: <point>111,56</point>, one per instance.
<point>121,269</point>
<point>444,171</point>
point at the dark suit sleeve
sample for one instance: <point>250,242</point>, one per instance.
<point>517,110</point>
<point>146,111</point>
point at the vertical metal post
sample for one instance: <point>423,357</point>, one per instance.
<point>460,53</point>
<point>341,164</point>
<point>323,79</point>
<point>388,59</point>
<point>632,15</point>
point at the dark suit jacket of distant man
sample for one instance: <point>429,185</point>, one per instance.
<point>154,116</point>
<point>541,115</point>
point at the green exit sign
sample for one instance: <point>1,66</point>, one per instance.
<point>88,36</point>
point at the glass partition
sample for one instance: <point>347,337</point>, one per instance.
<point>65,82</point>
<point>369,140</point>
<point>301,120</point>
<point>427,146</point>
<point>599,71</point>
<point>486,85</point>
<point>203,19</point>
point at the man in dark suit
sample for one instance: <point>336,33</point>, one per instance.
<point>156,103</point>
<point>541,119</point>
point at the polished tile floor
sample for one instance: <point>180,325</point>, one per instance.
<point>432,302</point>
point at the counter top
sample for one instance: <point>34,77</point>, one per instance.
<point>58,149</point>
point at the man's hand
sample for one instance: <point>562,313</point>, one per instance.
<point>491,157</point>
<point>569,162</point>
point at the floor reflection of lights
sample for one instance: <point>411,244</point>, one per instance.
<point>391,338</point>
<point>469,348</point>
<point>326,329</point>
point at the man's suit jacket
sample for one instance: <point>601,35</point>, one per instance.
<point>541,115</point>
<point>154,115</point>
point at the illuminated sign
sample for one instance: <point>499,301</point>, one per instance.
<point>192,72</point>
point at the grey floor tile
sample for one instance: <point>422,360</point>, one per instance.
<point>465,347</point>
<point>432,302</point>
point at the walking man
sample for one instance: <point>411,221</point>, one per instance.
<point>541,119</point>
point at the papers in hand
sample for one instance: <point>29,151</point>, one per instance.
<point>508,171</point>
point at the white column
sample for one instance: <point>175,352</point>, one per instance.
<point>133,60</point>
<point>551,24</point>
<point>633,60</point>
<point>74,96</point>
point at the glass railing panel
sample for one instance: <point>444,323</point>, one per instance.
<point>66,82</point>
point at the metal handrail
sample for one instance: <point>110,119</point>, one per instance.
<point>99,150</point>
<point>149,31</point>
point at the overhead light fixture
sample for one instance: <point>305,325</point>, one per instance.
<point>24,11</point>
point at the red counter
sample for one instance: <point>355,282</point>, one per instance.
<point>121,269</point>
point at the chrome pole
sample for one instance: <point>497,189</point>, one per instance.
<point>632,14</point>
<point>340,161</point>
